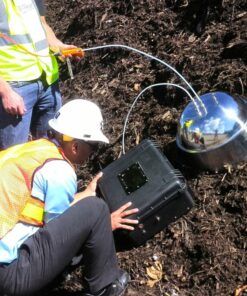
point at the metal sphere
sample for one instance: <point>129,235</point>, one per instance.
<point>217,136</point>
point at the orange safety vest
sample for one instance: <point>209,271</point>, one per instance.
<point>17,167</point>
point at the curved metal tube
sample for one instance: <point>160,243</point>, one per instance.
<point>139,95</point>
<point>160,61</point>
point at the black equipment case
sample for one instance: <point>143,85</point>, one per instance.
<point>145,177</point>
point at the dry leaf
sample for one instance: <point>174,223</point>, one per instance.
<point>154,273</point>
<point>228,167</point>
<point>240,290</point>
<point>179,273</point>
<point>167,115</point>
<point>192,38</point>
<point>137,87</point>
<point>241,14</point>
<point>140,66</point>
<point>137,137</point>
<point>95,86</point>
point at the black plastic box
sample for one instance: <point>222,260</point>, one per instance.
<point>145,177</point>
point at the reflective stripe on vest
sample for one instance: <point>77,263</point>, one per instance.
<point>15,63</point>
<point>20,39</point>
<point>33,212</point>
<point>17,167</point>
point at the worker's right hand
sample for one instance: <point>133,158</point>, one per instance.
<point>91,187</point>
<point>89,191</point>
<point>12,102</point>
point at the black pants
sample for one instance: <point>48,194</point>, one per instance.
<point>84,227</point>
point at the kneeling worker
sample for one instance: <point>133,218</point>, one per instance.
<point>44,223</point>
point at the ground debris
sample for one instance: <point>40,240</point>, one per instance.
<point>203,253</point>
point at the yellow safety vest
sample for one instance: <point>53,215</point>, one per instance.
<point>20,21</point>
<point>188,123</point>
<point>17,167</point>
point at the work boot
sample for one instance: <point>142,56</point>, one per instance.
<point>117,288</point>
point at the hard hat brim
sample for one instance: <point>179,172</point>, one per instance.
<point>99,137</point>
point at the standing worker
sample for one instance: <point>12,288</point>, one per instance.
<point>29,91</point>
<point>44,223</point>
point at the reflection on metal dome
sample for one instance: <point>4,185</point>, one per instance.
<point>217,137</point>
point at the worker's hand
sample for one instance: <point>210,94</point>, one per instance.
<point>90,190</point>
<point>68,51</point>
<point>12,102</point>
<point>59,47</point>
<point>119,220</point>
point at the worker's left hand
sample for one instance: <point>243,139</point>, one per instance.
<point>119,220</point>
<point>58,47</point>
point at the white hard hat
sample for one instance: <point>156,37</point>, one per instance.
<point>79,119</point>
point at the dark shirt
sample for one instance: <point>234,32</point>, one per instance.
<point>41,7</point>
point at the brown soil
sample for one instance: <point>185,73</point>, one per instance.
<point>203,253</point>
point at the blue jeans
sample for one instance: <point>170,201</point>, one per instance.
<point>41,101</point>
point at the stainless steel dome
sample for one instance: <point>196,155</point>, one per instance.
<point>217,136</point>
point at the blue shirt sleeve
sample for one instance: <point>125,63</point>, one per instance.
<point>55,184</point>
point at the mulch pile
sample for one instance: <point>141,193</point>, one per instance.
<point>203,253</point>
